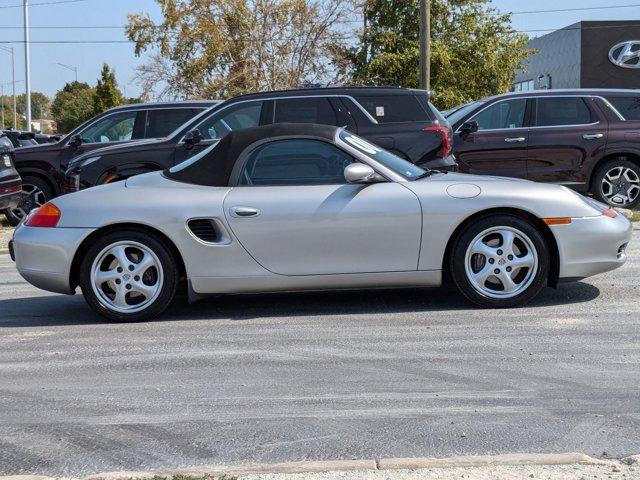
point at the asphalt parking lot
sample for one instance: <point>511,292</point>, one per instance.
<point>394,373</point>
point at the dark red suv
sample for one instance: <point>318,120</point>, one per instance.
<point>588,140</point>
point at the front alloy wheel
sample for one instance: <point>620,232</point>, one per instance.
<point>500,261</point>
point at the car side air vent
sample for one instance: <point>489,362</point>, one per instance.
<point>204,229</point>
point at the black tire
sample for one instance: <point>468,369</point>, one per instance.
<point>167,289</point>
<point>472,231</point>
<point>14,216</point>
<point>597,187</point>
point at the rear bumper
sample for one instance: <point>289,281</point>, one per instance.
<point>592,245</point>
<point>44,256</point>
<point>10,193</point>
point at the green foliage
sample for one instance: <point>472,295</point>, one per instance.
<point>107,95</point>
<point>73,105</point>
<point>40,105</point>
<point>474,50</point>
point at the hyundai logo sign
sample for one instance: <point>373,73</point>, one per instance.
<point>626,54</point>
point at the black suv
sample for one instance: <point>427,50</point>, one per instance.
<point>42,167</point>
<point>397,119</point>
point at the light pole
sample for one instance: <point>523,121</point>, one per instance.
<point>73,69</point>
<point>13,82</point>
<point>425,44</point>
<point>27,67</point>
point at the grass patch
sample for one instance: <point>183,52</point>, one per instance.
<point>636,216</point>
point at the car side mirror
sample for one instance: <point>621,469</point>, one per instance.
<point>192,137</point>
<point>468,128</point>
<point>76,141</point>
<point>360,173</point>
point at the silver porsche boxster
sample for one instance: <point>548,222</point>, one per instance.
<point>311,207</point>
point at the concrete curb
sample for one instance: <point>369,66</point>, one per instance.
<point>516,459</point>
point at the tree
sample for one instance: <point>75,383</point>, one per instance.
<point>73,105</point>
<point>40,105</point>
<point>475,51</point>
<point>107,95</point>
<point>219,48</point>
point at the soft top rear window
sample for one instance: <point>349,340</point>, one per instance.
<point>395,108</point>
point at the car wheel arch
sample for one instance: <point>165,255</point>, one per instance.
<point>81,251</point>
<point>554,270</point>
<point>42,175</point>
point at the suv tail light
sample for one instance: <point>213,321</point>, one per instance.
<point>46,216</point>
<point>447,140</point>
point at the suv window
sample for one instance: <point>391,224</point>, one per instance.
<point>295,162</point>
<point>305,110</point>
<point>161,122</point>
<point>242,115</point>
<point>502,115</point>
<point>558,111</point>
<point>629,107</point>
<point>394,108</point>
<point>112,128</point>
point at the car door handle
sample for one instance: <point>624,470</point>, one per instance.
<point>592,136</point>
<point>245,212</point>
<point>514,139</point>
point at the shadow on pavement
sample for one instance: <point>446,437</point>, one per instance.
<point>56,310</point>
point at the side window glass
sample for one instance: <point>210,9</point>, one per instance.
<point>558,111</point>
<point>305,110</point>
<point>295,162</point>
<point>502,115</point>
<point>161,122</point>
<point>629,107</point>
<point>243,115</point>
<point>112,128</point>
<point>394,108</point>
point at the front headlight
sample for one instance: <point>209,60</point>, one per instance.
<point>5,143</point>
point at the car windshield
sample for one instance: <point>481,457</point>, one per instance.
<point>398,165</point>
<point>459,113</point>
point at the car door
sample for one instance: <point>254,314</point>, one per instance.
<point>566,133</point>
<point>295,214</point>
<point>219,123</point>
<point>499,147</point>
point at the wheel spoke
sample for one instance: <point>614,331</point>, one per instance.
<point>144,264</point>
<point>107,276</point>
<point>521,262</point>
<point>507,282</point>
<point>483,249</point>
<point>146,291</point>
<point>120,255</point>
<point>483,275</point>
<point>120,299</point>
<point>614,176</point>
<point>507,240</point>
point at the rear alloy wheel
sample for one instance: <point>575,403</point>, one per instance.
<point>35,193</point>
<point>128,276</point>
<point>500,261</point>
<point>617,184</point>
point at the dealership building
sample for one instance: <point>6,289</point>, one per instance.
<point>602,54</point>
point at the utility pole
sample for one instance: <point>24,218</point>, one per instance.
<point>27,67</point>
<point>2,96</point>
<point>73,69</point>
<point>13,83</point>
<point>425,44</point>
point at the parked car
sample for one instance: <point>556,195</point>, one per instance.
<point>10,184</point>
<point>42,166</point>
<point>311,207</point>
<point>585,139</point>
<point>20,139</point>
<point>398,119</point>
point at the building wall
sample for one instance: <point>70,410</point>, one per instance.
<point>558,56</point>
<point>597,39</point>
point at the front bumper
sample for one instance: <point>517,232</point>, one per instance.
<point>592,245</point>
<point>44,256</point>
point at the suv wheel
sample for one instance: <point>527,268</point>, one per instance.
<point>500,261</point>
<point>35,193</point>
<point>617,183</point>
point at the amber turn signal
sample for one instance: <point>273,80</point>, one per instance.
<point>557,221</point>
<point>46,216</point>
<point>611,213</point>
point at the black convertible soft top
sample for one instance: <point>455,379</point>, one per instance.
<point>214,169</point>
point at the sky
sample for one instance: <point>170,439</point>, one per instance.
<point>48,77</point>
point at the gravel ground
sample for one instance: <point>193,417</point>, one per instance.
<point>551,472</point>
<point>5,236</point>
